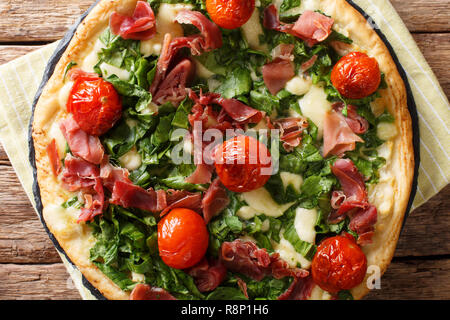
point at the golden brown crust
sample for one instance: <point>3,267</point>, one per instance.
<point>76,239</point>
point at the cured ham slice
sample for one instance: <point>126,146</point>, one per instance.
<point>140,26</point>
<point>351,180</point>
<point>239,111</point>
<point>291,130</point>
<point>146,292</point>
<point>300,289</point>
<point>201,175</point>
<point>110,174</point>
<point>312,27</point>
<point>128,195</point>
<point>214,200</point>
<point>358,124</point>
<point>81,144</point>
<point>338,137</point>
<point>53,156</point>
<point>75,73</point>
<point>208,275</point>
<point>182,199</point>
<point>173,87</point>
<point>278,72</point>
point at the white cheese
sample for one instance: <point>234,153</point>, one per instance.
<point>251,31</point>
<point>314,105</point>
<point>246,212</point>
<point>131,160</point>
<point>295,180</point>
<point>63,221</point>
<point>137,277</point>
<point>108,70</point>
<point>299,85</point>
<point>91,59</point>
<point>165,23</point>
<point>386,131</point>
<point>304,222</point>
<point>63,95</point>
<point>55,133</point>
<point>261,202</point>
<point>287,252</point>
<point>318,293</point>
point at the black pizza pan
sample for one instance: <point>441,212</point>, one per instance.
<point>62,46</point>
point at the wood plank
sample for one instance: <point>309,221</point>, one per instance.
<point>415,279</point>
<point>419,16</point>
<point>36,282</point>
<point>424,16</point>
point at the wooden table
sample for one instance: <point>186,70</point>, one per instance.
<point>30,268</point>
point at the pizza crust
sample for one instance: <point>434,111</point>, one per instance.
<point>77,242</point>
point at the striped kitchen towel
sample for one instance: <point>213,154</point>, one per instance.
<point>20,79</point>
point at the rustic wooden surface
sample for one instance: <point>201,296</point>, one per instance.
<point>30,268</point>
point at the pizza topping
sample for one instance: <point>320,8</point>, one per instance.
<point>75,73</point>
<point>146,292</point>
<point>230,14</point>
<point>339,264</point>
<point>95,105</point>
<point>312,27</point>
<point>291,130</point>
<point>110,174</point>
<point>214,200</point>
<point>53,156</point>
<point>356,75</point>
<point>300,289</point>
<point>129,195</point>
<point>358,124</point>
<point>243,164</point>
<point>81,144</point>
<point>278,72</point>
<point>140,26</point>
<point>182,199</point>
<point>182,238</point>
<point>338,137</point>
<point>201,175</point>
<point>208,275</point>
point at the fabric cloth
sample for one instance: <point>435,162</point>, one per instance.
<point>19,80</point>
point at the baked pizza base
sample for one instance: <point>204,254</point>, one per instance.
<point>390,196</point>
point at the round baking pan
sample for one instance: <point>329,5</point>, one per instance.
<point>64,42</point>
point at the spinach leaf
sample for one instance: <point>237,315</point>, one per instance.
<point>306,249</point>
<point>226,293</point>
<point>237,83</point>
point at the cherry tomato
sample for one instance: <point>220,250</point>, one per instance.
<point>182,238</point>
<point>356,75</point>
<point>95,105</point>
<point>339,264</point>
<point>243,164</point>
<point>230,14</point>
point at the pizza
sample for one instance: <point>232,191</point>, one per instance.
<point>225,150</point>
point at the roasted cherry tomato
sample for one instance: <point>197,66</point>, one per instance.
<point>356,75</point>
<point>182,238</point>
<point>243,164</point>
<point>95,105</point>
<point>339,264</point>
<point>230,14</point>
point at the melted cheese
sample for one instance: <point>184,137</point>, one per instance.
<point>252,30</point>
<point>63,221</point>
<point>299,85</point>
<point>314,105</point>
<point>164,24</point>
<point>91,59</point>
<point>318,293</point>
<point>64,93</point>
<point>386,131</point>
<point>55,133</point>
<point>261,202</point>
<point>287,252</point>
<point>108,70</point>
<point>305,221</point>
<point>295,180</point>
<point>131,160</point>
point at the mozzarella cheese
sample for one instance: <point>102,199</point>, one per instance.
<point>295,180</point>
<point>108,70</point>
<point>63,221</point>
<point>63,95</point>
<point>55,133</point>
<point>386,131</point>
<point>131,160</point>
<point>252,30</point>
<point>318,293</point>
<point>304,222</point>
<point>261,202</point>
<point>314,105</point>
<point>165,23</point>
<point>299,85</point>
<point>287,252</point>
<point>91,59</point>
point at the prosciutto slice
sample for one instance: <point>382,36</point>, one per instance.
<point>214,200</point>
<point>278,72</point>
<point>291,130</point>
<point>338,137</point>
<point>81,144</point>
<point>110,174</point>
<point>140,26</point>
<point>129,195</point>
<point>146,292</point>
<point>208,275</point>
<point>358,124</point>
<point>300,289</point>
<point>53,156</point>
<point>182,199</point>
<point>312,27</point>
